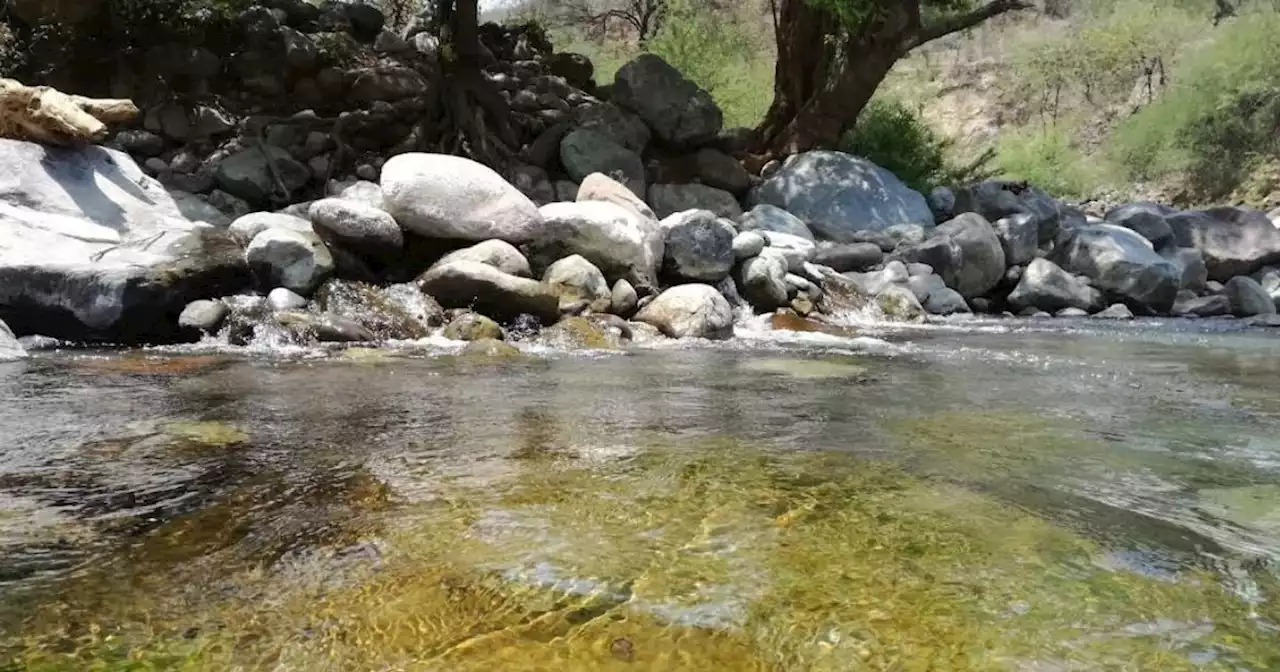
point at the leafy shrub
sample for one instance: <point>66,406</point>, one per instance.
<point>895,138</point>
<point>1046,159</point>
<point>1221,115</point>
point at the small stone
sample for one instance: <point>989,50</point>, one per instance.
<point>623,299</point>
<point>205,316</point>
<point>1117,311</point>
<point>367,172</point>
<point>281,298</point>
<point>748,244</point>
<point>1071,312</point>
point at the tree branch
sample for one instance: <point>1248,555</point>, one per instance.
<point>958,22</point>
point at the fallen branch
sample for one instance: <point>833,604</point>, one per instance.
<point>48,116</point>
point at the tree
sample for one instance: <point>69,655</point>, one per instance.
<point>833,54</point>
<point>644,17</point>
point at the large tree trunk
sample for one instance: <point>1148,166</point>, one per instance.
<point>827,72</point>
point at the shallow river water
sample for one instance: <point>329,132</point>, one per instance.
<point>986,495</point>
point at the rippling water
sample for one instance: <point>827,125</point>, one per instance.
<point>980,495</point>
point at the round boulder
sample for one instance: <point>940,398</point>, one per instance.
<point>357,227</point>
<point>690,311</point>
<point>441,196</point>
<point>291,259</point>
<point>699,246</point>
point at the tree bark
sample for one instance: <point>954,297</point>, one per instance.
<point>826,72</point>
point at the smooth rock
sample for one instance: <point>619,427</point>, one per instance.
<point>1247,297</point>
<point>473,327</point>
<point>621,243</point>
<point>281,298</point>
<point>1117,311</point>
<point>690,311</point>
<point>575,279</point>
<point>763,280</point>
<point>1019,236</point>
<point>440,196</point>
<point>797,250</point>
<point>1071,312</point>
<point>1235,241</point>
<point>246,174</point>
<point>1147,219</point>
<point>668,199</point>
<point>355,226</point>
<point>623,300</point>
<point>905,235</point>
<point>845,257</point>
<point>471,284</point>
<point>839,194</point>
<point>1045,286</point>
<point>946,301</point>
<point>698,246</point>
<point>1203,306</point>
<point>291,259</point>
<point>965,251</point>
<point>246,228</point>
<point>748,244</point>
<point>601,187</point>
<point>719,170</point>
<point>767,217</point>
<point>1120,262</point>
<point>496,253</point>
<point>585,151</point>
<point>678,111</point>
<point>882,240</point>
<point>204,315</point>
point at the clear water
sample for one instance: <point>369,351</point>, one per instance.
<point>985,495</point>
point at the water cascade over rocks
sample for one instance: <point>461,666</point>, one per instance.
<point>621,209</point>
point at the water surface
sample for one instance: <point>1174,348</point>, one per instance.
<point>985,495</point>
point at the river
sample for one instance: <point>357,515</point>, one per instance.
<point>981,495</point>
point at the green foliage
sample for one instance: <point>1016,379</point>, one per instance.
<point>1047,159</point>
<point>1221,116</point>
<point>895,138</point>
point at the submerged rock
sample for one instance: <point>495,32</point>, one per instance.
<point>396,312</point>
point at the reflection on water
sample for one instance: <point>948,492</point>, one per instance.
<point>960,500</point>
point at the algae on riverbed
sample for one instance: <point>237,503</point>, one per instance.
<point>715,555</point>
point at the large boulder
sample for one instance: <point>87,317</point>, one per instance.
<point>496,253</point>
<point>699,246</point>
<point>998,199</point>
<point>91,249</point>
<point>839,194</point>
<point>621,243</point>
<point>1248,298</point>
<point>585,151</point>
<point>294,260</point>
<point>690,311</point>
<point>575,280</point>
<point>1148,219</point>
<point>765,217</point>
<point>355,226</point>
<point>1045,286</point>
<point>1019,237</point>
<point>440,196</point>
<point>679,112</point>
<point>1235,241</point>
<point>481,287</point>
<point>10,348</point>
<point>965,251</point>
<point>249,174</point>
<point>1120,262</point>
<point>668,199</point>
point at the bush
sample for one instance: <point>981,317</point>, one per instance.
<point>1046,158</point>
<point>1220,117</point>
<point>895,138</point>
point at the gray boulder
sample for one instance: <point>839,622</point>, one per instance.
<point>440,196</point>
<point>10,348</point>
<point>848,257</point>
<point>668,199</point>
<point>1247,297</point>
<point>496,253</point>
<point>899,303</point>
<point>797,250</point>
<point>1193,273</point>
<point>575,279</point>
<point>246,174</point>
<point>942,201</point>
<point>719,170</point>
<point>699,246</point>
<point>291,259</point>
<point>767,217</point>
<point>471,284</point>
<point>946,301</point>
<point>996,199</point>
<point>905,234</point>
<point>678,111</point>
<point>838,194</point>
<point>1147,219</point>
<point>1019,237</point>
<point>690,311</point>
<point>965,251</point>
<point>91,249</point>
<point>1117,311</point>
<point>1045,286</point>
<point>281,298</point>
<point>204,315</point>
<point>623,300</point>
<point>1235,241</point>
<point>621,243</point>
<point>585,151</point>
<point>601,187</point>
<point>358,227</point>
<point>748,244</point>
<point>615,123</point>
<point>246,228</point>
<point>1120,262</point>
<point>1202,306</point>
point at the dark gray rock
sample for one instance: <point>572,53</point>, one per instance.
<point>848,257</point>
<point>1190,262</point>
<point>668,199</point>
<point>1247,297</point>
<point>615,123</point>
<point>246,174</point>
<point>1235,241</point>
<point>1019,236</point>
<point>586,151</point>
<point>1120,262</point>
<point>1148,219</point>
<point>699,246</point>
<point>719,170</point>
<point>965,251</point>
<point>678,111</point>
<point>1202,306</point>
<point>1045,286</point>
<point>996,200</point>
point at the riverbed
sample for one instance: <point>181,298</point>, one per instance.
<point>984,494</point>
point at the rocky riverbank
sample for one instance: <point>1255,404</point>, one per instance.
<point>631,219</point>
